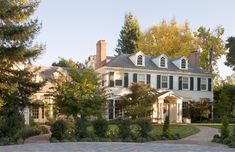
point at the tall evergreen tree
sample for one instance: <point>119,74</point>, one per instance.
<point>231,52</point>
<point>17,32</point>
<point>129,35</point>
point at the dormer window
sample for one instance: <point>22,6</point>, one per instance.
<point>140,60</point>
<point>183,64</point>
<point>163,62</point>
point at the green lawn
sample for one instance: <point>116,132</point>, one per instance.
<point>182,130</point>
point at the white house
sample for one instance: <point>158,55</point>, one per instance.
<point>178,79</point>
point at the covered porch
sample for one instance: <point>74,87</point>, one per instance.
<point>168,104</point>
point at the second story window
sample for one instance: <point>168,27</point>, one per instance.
<point>183,64</point>
<point>164,82</point>
<point>118,79</point>
<point>141,78</point>
<point>203,83</point>
<point>162,62</point>
<point>185,83</point>
<point>140,60</point>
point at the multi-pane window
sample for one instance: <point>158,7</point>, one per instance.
<point>35,112</point>
<point>185,82</point>
<point>164,82</point>
<point>183,64</point>
<point>141,78</point>
<point>140,60</point>
<point>203,83</point>
<point>118,79</point>
<point>43,111</point>
<point>110,109</point>
<point>118,110</point>
<point>162,62</point>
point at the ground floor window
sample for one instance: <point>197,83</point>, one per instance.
<point>35,112</point>
<point>114,110</point>
<point>43,111</point>
<point>110,109</point>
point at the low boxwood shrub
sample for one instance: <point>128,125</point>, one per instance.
<point>58,129</point>
<point>28,132</point>
<point>81,130</point>
<point>145,125</point>
<point>112,131</point>
<point>135,131</point>
<point>124,128</point>
<point>100,127</point>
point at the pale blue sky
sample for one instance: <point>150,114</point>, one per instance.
<point>71,28</point>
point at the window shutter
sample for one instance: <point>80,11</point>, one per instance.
<point>198,84</point>
<point>209,84</point>
<point>171,82</point>
<point>126,80</point>
<point>191,83</point>
<point>148,79</point>
<point>180,83</point>
<point>111,79</point>
<point>135,77</point>
<point>158,81</point>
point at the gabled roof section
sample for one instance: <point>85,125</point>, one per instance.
<point>123,61</point>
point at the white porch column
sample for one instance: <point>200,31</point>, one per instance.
<point>179,111</point>
<point>160,109</point>
<point>155,112</point>
<point>114,115</point>
<point>26,115</point>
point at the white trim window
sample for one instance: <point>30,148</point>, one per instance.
<point>141,78</point>
<point>118,79</point>
<point>164,81</point>
<point>163,62</point>
<point>183,64</point>
<point>139,60</point>
<point>185,83</point>
<point>203,84</point>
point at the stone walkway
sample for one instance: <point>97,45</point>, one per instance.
<point>39,138</point>
<point>202,138</point>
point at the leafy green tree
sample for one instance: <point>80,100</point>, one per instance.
<point>138,104</point>
<point>224,99</point>
<point>79,94</point>
<point>129,35</point>
<point>212,46</point>
<point>171,39</point>
<point>65,63</point>
<point>17,31</point>
<point>230,56</point>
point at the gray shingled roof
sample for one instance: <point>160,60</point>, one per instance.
<point>123,61</point>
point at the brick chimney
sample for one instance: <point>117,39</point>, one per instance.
<point>194,59</point>
<point>100,53</point>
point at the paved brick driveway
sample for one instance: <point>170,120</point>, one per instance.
<point>111,147</point>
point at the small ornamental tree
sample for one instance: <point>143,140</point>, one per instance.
<point>232,137</point>
<point>138,104</point>
<point>224,129</point>
<point>79,94</point>
<point>166,128</point>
